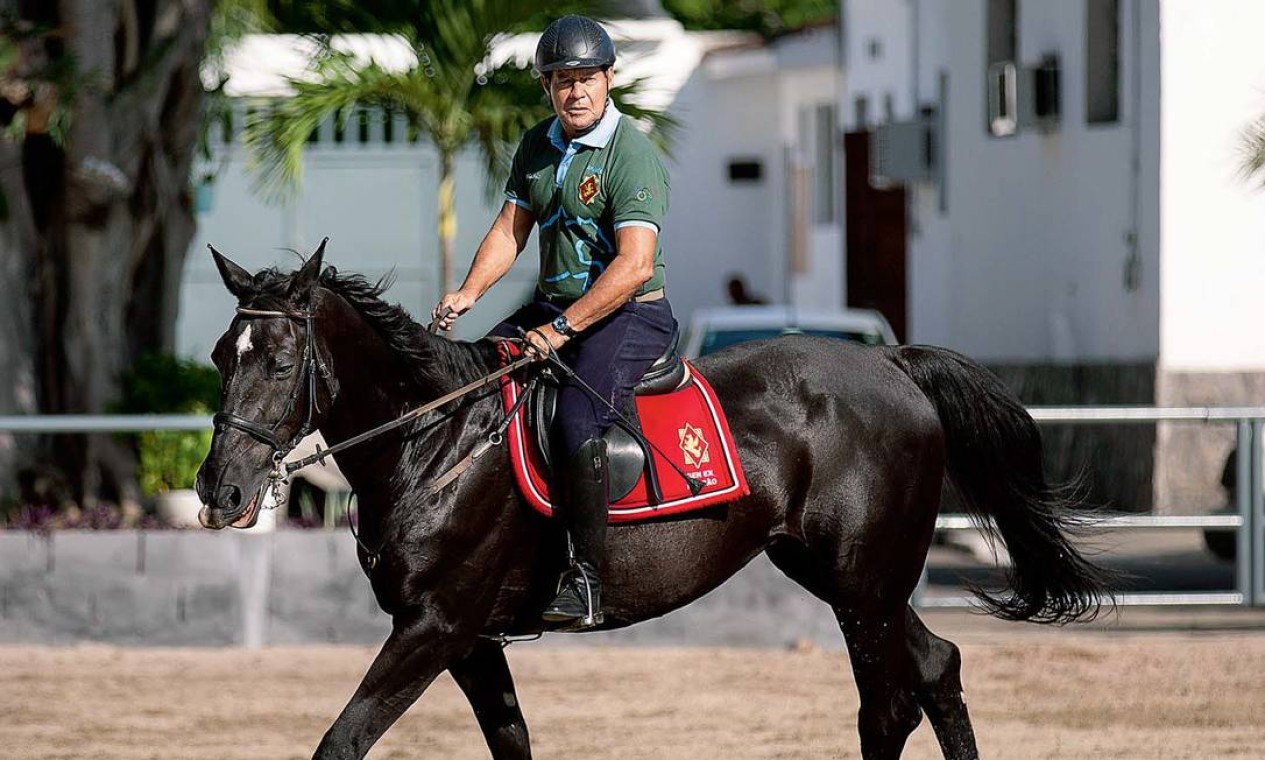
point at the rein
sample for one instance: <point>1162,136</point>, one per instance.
<point>407,417</point>
<point>314,367</point>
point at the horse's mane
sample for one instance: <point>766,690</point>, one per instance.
<point>433,363</point>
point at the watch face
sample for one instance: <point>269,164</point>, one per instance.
<point>561,325</point>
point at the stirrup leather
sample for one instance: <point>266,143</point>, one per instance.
<point>592,616</point>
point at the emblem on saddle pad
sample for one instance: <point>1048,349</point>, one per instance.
<point>694,446</point>
<point>588,189</point>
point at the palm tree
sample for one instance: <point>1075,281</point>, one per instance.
<point>1253,160</point>
<point>454,94</point>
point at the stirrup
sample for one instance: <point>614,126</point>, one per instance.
<point>575,585</point>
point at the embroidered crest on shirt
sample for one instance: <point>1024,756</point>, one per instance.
<point>588,189</point>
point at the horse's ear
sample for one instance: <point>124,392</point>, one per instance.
<point>304,283</point>
<point>238,281</point>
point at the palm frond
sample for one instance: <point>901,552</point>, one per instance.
<point>509,102</point>
<point>663,127</point>
<point>451,95</point>
<point>276,136</point>
<point>1252,148</point>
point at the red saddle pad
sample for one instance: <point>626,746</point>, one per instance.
<point>688,425</point>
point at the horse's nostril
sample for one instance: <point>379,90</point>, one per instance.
<point>232,496</point>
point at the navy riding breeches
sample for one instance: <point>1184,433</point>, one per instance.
<point>611,356</point>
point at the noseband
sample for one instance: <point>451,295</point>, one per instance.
<point>312,368</point>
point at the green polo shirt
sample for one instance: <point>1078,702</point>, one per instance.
<point>581,192</point>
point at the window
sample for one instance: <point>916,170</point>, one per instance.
<point>745,170</point>
<point>824,165</point>
<point>1102,61</point>
<point>861,113</point>
<point>817,130</point>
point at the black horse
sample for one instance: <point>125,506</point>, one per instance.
<point>845,448</point>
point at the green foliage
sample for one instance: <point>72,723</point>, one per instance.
<point>452,95</point>
<point>169,459</point>
<point>768,17</point>
<point>663,126</point>
<point>1252,161</point>
<point>366,16</point>
<point>161,384</point>
<point>59,74</point>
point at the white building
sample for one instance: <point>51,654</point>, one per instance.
<point>751,115</point>
<point>1079,223</point>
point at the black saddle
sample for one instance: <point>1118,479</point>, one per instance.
<point>628,455</point>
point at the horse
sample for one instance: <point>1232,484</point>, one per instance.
<point>845,448</point>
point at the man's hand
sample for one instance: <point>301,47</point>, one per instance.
<point>543,339</point>
<point>452,306</point>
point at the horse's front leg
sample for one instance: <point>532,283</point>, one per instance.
<point>417,651</point>
<point>484,676</point>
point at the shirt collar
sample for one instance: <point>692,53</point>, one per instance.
<point>598,137</point>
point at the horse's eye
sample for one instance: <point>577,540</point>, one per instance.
<point>283,370</point>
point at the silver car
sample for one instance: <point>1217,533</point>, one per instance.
<point>713,329</point>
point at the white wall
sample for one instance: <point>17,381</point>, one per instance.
<point>376,203</point>
<point>716,228</point>
<point>1027,263</point>
<point>821,284</point>
<point>1214,223</point>
<point>743,105</point>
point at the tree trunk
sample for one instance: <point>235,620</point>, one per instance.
<point>447,219</point>
<point>17,341</point>
<point>113,214</point>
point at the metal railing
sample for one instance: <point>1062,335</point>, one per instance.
<point>102,423</point>
<point>1248,523</point>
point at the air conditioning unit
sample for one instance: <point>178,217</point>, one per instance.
<point>1039,95</point>
<point>904,151</point>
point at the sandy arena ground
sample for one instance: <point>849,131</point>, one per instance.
<point>1062,694</point>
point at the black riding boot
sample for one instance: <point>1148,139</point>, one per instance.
<point>586,480</point>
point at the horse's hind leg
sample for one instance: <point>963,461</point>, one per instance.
<point>884,677</point>
<point>875,633</point>
<point>938,684</point>
<point>484,677</point>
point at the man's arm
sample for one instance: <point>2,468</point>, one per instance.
<point>500,247</point>
<point>632,267</point>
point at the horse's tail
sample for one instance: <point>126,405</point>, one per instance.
<point>994,460</point>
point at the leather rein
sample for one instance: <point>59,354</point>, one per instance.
<point>314,368</point>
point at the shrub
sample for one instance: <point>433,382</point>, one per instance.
<point>163,384</point>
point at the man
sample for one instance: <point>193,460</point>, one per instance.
<point>596,188</point>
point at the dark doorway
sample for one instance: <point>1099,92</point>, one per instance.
<point>875,243</point>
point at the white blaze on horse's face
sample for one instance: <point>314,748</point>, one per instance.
<point>244,343</point>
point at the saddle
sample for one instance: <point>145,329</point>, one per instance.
<point>629,458</point>
<point>690,461</point>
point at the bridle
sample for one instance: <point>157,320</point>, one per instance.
<point>311,371</point>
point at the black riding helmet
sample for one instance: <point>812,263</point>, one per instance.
<point>574,42</point>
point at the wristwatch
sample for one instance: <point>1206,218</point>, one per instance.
<point>563,327</point>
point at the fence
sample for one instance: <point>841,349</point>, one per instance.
<point>1248,524</point>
